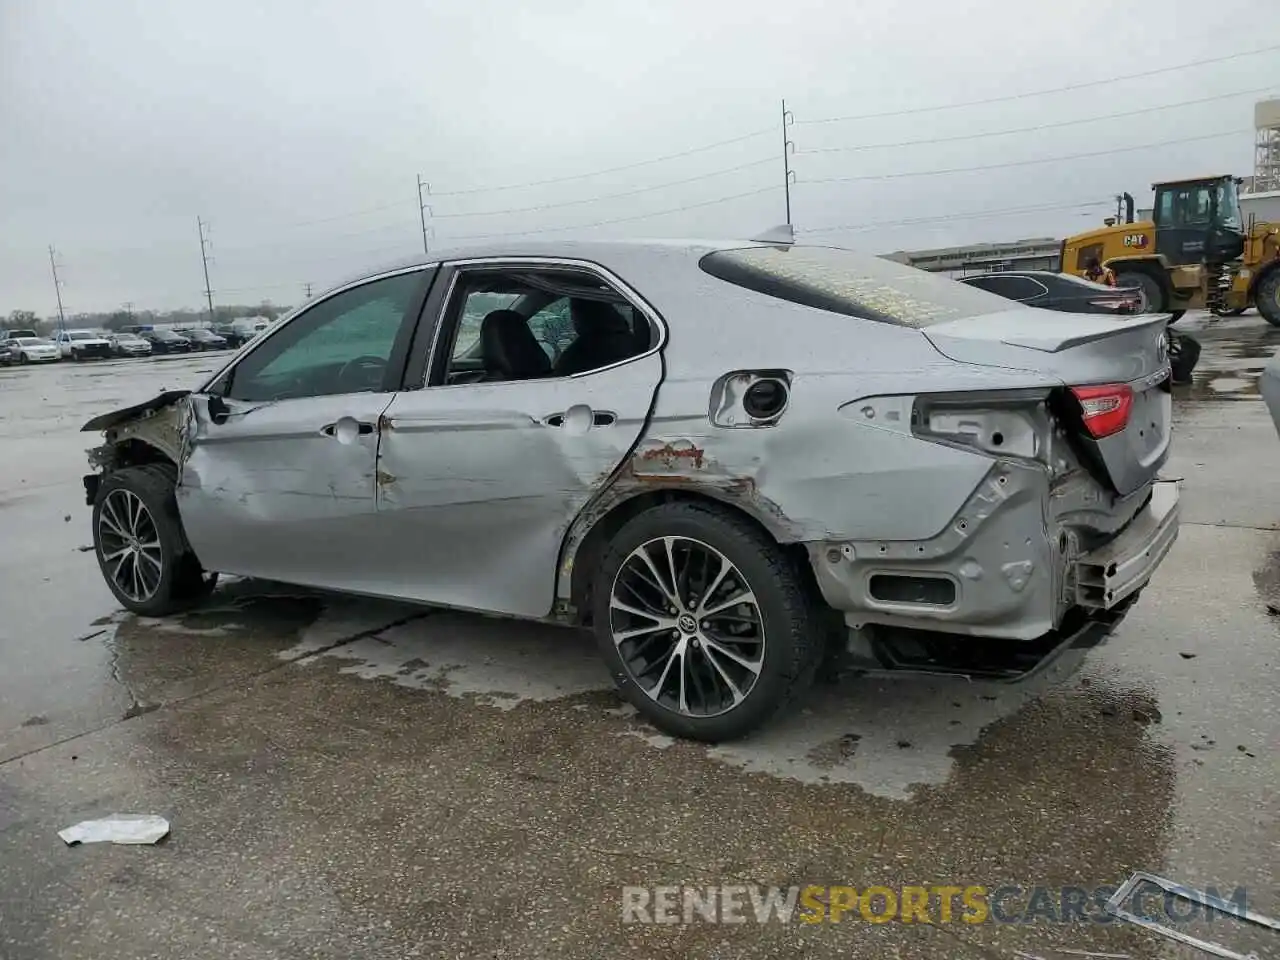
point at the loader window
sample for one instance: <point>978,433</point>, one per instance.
<point>1085,254</point>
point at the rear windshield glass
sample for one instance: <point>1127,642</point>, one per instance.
<point>853,284</point>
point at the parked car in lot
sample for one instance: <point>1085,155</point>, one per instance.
<point>82,344</point>
<point>919,473</point>
<point>1068,294</point>
<point>1057,291</point>
<point>17,334</point>
<point>165,341</point>
<point>129,345</point>
<point>32,350</point>
<point>240,331</point>
<point>203,339</point>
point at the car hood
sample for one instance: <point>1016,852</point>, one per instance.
<point>105,421</point>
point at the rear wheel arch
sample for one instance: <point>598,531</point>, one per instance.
<point>585,548</point>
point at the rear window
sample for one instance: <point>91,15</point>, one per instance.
<point>852,284</point>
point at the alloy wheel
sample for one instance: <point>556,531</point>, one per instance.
<point>687,626</point>
<point>129,544</point>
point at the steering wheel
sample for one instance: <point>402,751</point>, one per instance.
<point>370,369</point>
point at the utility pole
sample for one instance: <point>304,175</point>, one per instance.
<point>422,210</point>
<point>787,148</point>
<point>57,289</point>
<point>204,259</point>
<point>306,288</point>
<point>128,311</point>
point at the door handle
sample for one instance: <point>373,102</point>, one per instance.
<point>347,429</point>
<point>599,418</point>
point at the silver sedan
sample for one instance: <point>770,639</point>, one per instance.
<point>732,461</point>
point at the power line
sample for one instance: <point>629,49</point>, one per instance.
<point>1028,163</point>
<point>599,173</point>
<point>971,215</point>
<point>1083,85</point>
<point>602,223</point>
<point>1036,128</point>
<point>609,196</point>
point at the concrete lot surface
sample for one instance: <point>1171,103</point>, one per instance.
<point>353,779</point>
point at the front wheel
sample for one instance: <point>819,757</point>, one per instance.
<point>140,544</point>
<point>705,623</point>
<point>1149,290</point>
<point>1267,297</point>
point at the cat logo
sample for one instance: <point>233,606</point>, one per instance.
<point>1135,240</point>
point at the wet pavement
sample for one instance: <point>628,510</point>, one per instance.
<point>347,778</point>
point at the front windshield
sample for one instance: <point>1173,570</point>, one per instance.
<point>1229,204</point>
<point>32,342</point>
<point>164,335</point>
<point>82,335</point>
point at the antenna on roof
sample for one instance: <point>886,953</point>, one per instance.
<point>782,234</point>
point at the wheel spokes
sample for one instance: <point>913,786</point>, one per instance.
<point>129,545</point>
<point>676,658</point>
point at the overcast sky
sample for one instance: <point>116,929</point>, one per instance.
<point>297,127</point>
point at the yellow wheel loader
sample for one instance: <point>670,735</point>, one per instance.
<point>1195,252</point>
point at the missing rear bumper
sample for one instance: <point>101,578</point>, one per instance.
<point>1106,577</point>
<point>880,650</point>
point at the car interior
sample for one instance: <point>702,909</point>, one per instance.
<point>532,325</point>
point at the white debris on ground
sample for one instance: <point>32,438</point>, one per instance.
<point>128,828</point>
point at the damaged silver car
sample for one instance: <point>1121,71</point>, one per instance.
<point>729,460</point>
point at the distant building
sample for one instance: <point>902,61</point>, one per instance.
<point>1041,253</point>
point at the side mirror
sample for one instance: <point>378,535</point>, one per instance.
<point>218,409</point>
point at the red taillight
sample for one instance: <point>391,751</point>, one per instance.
<point>1104,409</point>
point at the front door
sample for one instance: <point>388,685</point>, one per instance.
<point>542,383</point>
<point>279,479</point>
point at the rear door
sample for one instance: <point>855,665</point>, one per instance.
<point>1085,351</point>
<point>482,469</point>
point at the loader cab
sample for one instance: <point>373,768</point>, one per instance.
<point>1198,220</point>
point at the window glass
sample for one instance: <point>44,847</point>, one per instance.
<point>542,323</point>
<point>340,345</point>
<point>856,285</point>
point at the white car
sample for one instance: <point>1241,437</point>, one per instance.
<point>82,344</point>
<point>32,350</point>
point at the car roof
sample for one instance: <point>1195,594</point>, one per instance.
<point>607,253</point>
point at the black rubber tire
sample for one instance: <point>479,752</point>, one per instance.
<point>1267,297</point>
<point>1188,356</point>
<point>1152,291</point>
<point>183,583</point>
<point>793,627</point>
<point>23,359</point>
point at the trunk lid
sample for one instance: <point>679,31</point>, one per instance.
<point>1082,350</point>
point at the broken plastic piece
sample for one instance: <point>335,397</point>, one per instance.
<point>1113,907</point>
<point>118,828</point>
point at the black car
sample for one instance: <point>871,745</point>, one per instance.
<point>202,339</point>
<point>166,341</point>
<point>1057,291</point>
<point>1068,294</point>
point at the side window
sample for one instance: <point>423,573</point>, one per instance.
<point>341,345</point>
<point>520,324</point>
<point>1024,289</point>
<point>1085,254</point>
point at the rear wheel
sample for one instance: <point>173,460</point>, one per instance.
<point>141,548</point>
<point>1267,297</point>
<point>705,623</point>
<point>1149,290</point>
